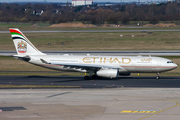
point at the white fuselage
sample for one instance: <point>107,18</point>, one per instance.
<point>131,64</point>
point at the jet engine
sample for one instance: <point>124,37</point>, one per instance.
<point>108,73</point>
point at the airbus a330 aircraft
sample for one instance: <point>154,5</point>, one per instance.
<point>96,66</point>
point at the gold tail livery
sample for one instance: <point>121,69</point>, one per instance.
<point>96,66</point>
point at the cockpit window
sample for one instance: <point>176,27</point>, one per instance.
<point>169,61</point>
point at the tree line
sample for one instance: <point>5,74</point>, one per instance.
<point>56,13</point>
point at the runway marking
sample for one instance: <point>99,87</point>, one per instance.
<point>138,111</point>
<point>58,94</point>
<point>177,104</point>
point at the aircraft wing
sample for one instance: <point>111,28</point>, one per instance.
<point>82,66</point>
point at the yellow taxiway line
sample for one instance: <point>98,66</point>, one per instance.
<point>177,104</point>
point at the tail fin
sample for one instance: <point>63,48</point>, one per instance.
<point>22,44</point>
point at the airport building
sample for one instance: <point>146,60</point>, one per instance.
<point>81,2</point>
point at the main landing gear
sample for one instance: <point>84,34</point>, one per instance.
<point>90,77</point>
<point>86,77</point>
<point>157,77</point>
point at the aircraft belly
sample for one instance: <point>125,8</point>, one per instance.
<point>140,69</point>
<point>146,69</point>
<point>162,69</point>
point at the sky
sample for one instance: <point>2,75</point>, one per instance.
<point>57,0</point>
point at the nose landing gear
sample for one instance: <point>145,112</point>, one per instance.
<point>158,77</point>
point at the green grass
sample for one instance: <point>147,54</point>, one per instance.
<point>6,58</point>
<point>171,57</point>
<point>4,25</point>
<point>45,26</point>
<point>98,41</point>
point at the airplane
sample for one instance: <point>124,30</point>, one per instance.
<point>97,66</point>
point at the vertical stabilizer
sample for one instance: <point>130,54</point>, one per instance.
<point>22,44</point>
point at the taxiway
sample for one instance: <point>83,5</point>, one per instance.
<point>125,98</point>
<point>90,104</point>
<point>145,82</point>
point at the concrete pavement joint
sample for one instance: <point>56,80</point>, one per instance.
<point>58,94</point>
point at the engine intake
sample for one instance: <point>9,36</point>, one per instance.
<point>108,73</point>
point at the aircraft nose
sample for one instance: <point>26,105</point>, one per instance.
<point>175,65</point>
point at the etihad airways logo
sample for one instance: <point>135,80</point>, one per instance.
<point>106,60</point>
<point>22,47</point>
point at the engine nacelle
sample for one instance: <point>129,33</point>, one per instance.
<point>108,73</point>
<point>125,74</point>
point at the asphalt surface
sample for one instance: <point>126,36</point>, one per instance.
<point>125,98</point>
<point>91,31</point>
<point>149,82</point>
<point>108,53</point>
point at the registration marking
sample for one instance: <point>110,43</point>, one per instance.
<point>138,111</point>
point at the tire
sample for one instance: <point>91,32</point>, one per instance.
<point>86,77</point>
<point>94,76</point>
<point>157,77</point>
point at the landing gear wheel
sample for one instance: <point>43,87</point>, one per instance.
<point>91,77</point>
<point>94,76</point>
<point>157,77</point>
<point>86,77</point>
